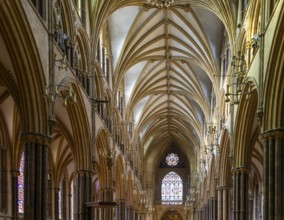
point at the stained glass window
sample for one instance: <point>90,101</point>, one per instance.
<point>172,159</point>
<point>21,185</point>
<point>172,189</point>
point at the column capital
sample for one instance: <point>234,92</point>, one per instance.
<point>83,172</point>
<point>237,170</point>
<point>107,189</point>
<point>272,134</point>
<point>35,137</point>
<point>219,188</point>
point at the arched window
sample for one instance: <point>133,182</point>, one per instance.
<point>172,159</point>
<point>172,189</point>
<point>21,185</point>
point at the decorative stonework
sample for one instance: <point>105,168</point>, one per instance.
<point>172,159</point>
<point>272,134</point>
<point>36,138</point>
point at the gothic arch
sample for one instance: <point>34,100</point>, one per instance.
<point>67,17</point>
<point>26,78</point>
<point>169,209</point>
<point>224,163</point>
<point>120,177</point>
<point>244,127</point>
<point>76,121</point>
<point>273,85</point>
<point>211,177</point>
<point>84,46</point>
<point>253,13</point>
<point>102,148</point>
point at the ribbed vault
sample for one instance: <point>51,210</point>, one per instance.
<point>167,59</point>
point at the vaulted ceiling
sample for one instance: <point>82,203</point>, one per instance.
<point>167,59</point>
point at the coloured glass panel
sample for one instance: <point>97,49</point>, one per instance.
<point>21,185</point>
<point>172,189</point>
<point>172,159</point>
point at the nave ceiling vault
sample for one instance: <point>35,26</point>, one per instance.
<point>98,93</point>
<point>167,59</point>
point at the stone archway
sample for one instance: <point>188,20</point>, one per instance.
<point>171,215</point>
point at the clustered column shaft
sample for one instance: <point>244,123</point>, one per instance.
<point>223,202</point>
<point>35,176</point>
<point>83,193</point>
<point>213,208</point>
<point>273,203</point>
<point>107,196</point>
<point>121,209</point>
<point>241,200</point>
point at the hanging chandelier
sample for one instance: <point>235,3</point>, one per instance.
<point>160,3</point>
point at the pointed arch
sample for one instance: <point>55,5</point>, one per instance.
<point>246,122</point>
<point>224,162</point>
<point>273,85</point>
<point>27,79</point>
<point>211,179</point>
<point>102,147</point>
<point>120,177</point>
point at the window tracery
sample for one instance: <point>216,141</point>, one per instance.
<point>172,159</point>
<point>172,189</point>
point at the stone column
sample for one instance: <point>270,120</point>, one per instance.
<point>3,178</point>
<point>56,203</point>
<point>83,192</point>
<point>213,208</point>
<point>241,202</point>
<point>223,203</point>
<point>142,216</point>
<point>120,209</point>
<point>35,176</point>
<point>273,207</point>
<point>206,212</point>
<point>15,212</point>
<point>107,196</point>
<point>136,215</point>
<point>201,214</point>
<point>64,198</point>
<point>194,213</point>
<point>69,206</point>
<point>130,213</point>
<point>50,196</point>
<point>251,207</point>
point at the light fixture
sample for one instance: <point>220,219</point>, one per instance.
<point>212,139</point>
<point>52,90</point>
<point>160,3</point>
<point>237,88</point>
